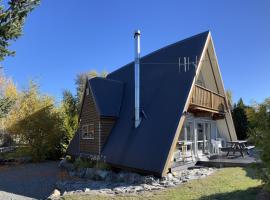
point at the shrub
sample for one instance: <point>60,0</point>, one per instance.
<point>43,133</point>
<point>259,133</point>
<point>83,163</point>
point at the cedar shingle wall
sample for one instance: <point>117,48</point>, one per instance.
<point>106,125</point>
<point>89,114</point>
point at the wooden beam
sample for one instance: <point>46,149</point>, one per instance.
<point>182,118</point>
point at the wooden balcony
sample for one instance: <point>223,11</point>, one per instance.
<point>205,100</point>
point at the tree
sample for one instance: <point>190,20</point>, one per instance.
<point>5,106</point>
<point>38,123</point>
<point>240,120</point>
<point>70,114</point>
<point>8,94</point>
<point>259,119</point>
<point>12,20</point>
<point>229,98</point>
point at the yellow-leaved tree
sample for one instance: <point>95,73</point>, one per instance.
<point>38,123</point>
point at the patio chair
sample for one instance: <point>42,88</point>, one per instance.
<point>217,145</point>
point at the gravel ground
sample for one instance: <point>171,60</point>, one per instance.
<point>28,181</point>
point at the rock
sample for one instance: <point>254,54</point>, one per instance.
<point>118,190</point>
<point>170,184</point>
<point>121,177</point>
<point>163,182</point>
<point>110,183</point>
<point>64,164</point>
<point>55,194</point>
<point>72,173</point>
<point>138,189</point>
<point>89,173</point>
<point>81,172</point>
<point>169,177</point>
<point>86,190</point>
<point>111,177</point>
<point>175,174</point>
<point>101,174</point>
<point>133,178</point>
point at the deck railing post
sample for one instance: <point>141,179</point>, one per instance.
<point>212,101</point>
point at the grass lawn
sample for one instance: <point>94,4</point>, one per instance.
<point>225,184</point>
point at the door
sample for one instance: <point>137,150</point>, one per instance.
<point>186,141</point>
<point>202,138</point>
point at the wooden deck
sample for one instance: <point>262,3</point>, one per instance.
<point>232,161</point>
<point>219,162</point>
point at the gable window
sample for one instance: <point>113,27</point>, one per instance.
<point>88,131</point>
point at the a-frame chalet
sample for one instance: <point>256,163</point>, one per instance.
<point>178,99</point>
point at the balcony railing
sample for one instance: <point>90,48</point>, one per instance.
<point>208,100</point>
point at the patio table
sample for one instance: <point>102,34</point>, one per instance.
<point>237,145</point>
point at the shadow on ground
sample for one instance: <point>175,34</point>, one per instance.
<point>28,181</point>
<point>249,194</point>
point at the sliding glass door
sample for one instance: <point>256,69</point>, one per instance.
<point>203,137</point>
<point>195,139</point>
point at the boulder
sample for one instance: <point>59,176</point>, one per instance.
<point>64,164</point>
<point>121,177</point>
<point>81,172</point>
<point>149,180</point>
<point>101,174</point>
<point>133,178</point>
<point>55,194</point>
<point>86,190</point>
<point>90,173</point>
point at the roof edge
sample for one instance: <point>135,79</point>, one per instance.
<point>169,45</point>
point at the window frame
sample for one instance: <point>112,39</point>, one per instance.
<point>90,131</point>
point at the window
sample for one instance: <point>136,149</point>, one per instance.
<point>88,131</point>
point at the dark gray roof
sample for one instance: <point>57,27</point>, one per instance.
<point>164,91</point>
<point>108,95</point>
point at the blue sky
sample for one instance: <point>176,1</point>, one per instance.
<point>62,38</point>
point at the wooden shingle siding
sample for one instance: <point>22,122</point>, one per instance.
<point>106,127</point>
<point>89,115</point>
<point>103,126</point>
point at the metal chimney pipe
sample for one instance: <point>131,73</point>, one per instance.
<point>137,35</point>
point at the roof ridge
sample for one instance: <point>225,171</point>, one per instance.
<point>105,79</point>
<point>169,45</point>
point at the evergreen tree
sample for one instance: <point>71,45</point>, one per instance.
<point>70,114</point>
<point>11,22</point>
<point>240,120</point>
<point>259,133</point>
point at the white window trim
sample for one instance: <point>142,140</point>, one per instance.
<point>88,132</point>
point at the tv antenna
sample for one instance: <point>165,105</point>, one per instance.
<point>186,63</point>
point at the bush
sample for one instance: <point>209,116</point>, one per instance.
<point>83,163</point>
<point>88,163</point>
<point>43,133</point>
<point>7,140</point>
<point>102,165</point>
<point>259,133</point>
